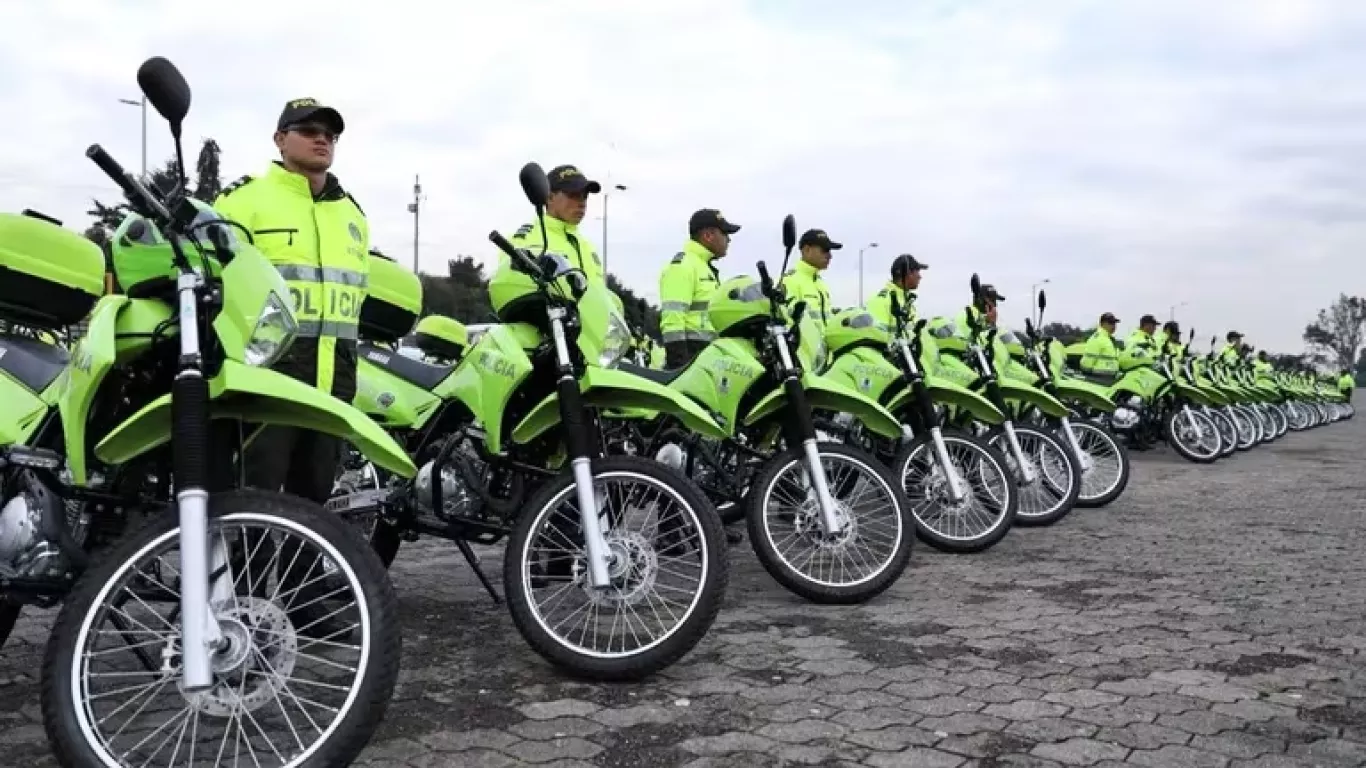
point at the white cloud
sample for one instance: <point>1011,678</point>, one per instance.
<point>1140,153</point>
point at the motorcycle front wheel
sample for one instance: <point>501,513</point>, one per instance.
<point>323,697</point>
<point>856,564</point>
<point>1057,475</point>
<point>1108,476</point>
<point>667,567</point>
<point>987,511</point>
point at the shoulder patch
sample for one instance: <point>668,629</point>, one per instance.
<point>523,230</point>
<point>677,259</point>
<point>236,185</point>
<point>353,202</point>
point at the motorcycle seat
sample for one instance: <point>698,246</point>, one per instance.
<point>417,372</point>
<point>663,377</point>
<point>33,363</point>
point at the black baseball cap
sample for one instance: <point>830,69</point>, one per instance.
<point>906,263</point>
<point>818,237</point>
<point>298,111</point>
<point>989,294</point>
<point>1109,317</point>
<point>709,218</point>
<point>568,178</point>
<point>1147,320</point>
<point>1234,335</point>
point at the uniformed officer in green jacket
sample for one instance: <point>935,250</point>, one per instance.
<point>569,191</point>
<point>1169,340</point>
<point>803,282</point>
<point>1100,355</point>
<point>1232,351</point>
<point>1347,384</point>
<point>687,284</point>
<point>1142,337</point>
<point>316,235</point>
<point>905,281</point>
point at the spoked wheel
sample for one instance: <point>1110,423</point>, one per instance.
<point>667,567</point>
<point>281,696</point>
<point>1051,493</point>
<point>987,510</point>
<point>1247,428</point>
<point>1228,431</point>
<point>1192,435</point>
<point>852,565</point>
<point>1108,475</point>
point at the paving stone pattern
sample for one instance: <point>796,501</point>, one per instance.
<point>1213,616</point>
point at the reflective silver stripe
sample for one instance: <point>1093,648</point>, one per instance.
<point>347,277</point>
<point>699,306</point>
<point>673,306</point>
<point>312,329</point>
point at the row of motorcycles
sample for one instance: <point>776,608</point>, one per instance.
<point>201,619</point>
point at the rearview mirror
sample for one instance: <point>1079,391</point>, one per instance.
<point>789,232</point>
<point>976,284</point>
<point>535,185</point>
<point>166,90</point>
<point>1043,300</point>
<point>1192,336</point>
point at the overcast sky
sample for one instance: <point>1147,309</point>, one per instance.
<point>1138,153</point>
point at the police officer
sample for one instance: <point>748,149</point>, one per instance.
<point>905,280</point>
<point>1169,340</point>
<point>983,312</point>
<point>686,286</point>
<point>1142,337</point>
<point>1232,351</point>
<point>803,282</point>
<point>569,191</point>
<point>316,235</point>
<point>1100,355</point>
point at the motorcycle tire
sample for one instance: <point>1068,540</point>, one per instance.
<point>519,577</point>
<point>1102,498</point>
<point>818,591</point>
<point>1187,452</point>
<point>1068,498</point>
<point>986,453</point>
<point>65,709</point>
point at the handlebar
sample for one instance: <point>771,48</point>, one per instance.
<point>527,264</point>
<point>133,189</point>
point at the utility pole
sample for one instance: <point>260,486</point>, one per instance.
<point>605,198</point>
<point>861,297</point>
<point>141,103</point>
<point>415,208</point>
<point>1034,297</point>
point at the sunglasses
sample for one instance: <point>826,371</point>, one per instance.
<point>315,131</point>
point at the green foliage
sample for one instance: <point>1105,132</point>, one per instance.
<point>1339,332</point>
<point>1065,332</point>
<point>207,185</point>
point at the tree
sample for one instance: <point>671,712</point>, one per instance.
<point>1339,332</point>
<point>1064,332</point>
<point>640,314</point>
<point>165,180</point>
<point>462,293</point>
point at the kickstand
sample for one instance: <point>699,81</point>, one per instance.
<point>473,560</point>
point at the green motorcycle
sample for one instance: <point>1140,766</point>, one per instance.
<point>827,521</point>
<point>170,380</point>
<point>1046,471</point>
<point>961,491</point>
<point>506,435</point>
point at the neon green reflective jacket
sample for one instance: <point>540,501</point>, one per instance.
<point>685,289</point>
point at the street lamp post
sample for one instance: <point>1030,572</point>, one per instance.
<point>1034,297</point>
<point>605,197</point>
<point>869,246</point>
<point>143,104</point>
<point>1171,313</point>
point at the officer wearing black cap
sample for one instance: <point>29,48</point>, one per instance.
<point>569,191</point>
<point>318,238</point>
<point>687,284</point>
<point>1101,354</point>
<point>803,282</point>
<point>1232,351</point>
<point>905,280</point>
<point>1142,337</point>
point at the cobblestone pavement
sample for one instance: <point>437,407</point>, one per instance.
<point>1213,616</point>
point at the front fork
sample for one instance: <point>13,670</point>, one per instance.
<point>941,451</point>
<point>830,521</point>
<point>580,445</point>
<point>1083,458</point>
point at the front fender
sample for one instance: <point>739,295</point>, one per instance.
<point>1018,390</point>
<point>1192,393</point>
<point>948,393</point>
<point>824,394</point>
<point>260,396</point>
<point>614,389</point>
<point>1086,393</point>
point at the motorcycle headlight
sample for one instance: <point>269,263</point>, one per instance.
<point>617,344</point>
<point>819,356</point>
<point>275,331</point>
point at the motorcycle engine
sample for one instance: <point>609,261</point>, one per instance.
<point>457,500</point>
<point>23,547</point>
<point>1124,419</point>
